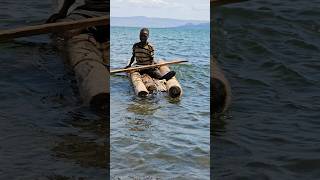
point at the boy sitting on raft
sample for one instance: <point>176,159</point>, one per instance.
<point>143,53</point>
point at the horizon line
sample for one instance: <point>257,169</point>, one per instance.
<point>161,18</point>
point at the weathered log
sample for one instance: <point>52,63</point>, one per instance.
<point>86,59</point>
<point>220,89</point>
<point>149,83</point>
<point>138,85</point>
<point>173,86</point>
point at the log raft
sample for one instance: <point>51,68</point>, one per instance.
<point>144,85</point>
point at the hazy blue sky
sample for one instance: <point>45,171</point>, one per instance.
<point>177,9</point>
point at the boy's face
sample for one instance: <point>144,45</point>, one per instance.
<point>144,36</point>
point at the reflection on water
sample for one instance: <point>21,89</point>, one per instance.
<point>82,149</point>
<point>147,106</point>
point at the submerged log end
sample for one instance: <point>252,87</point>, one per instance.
<point>174,91</point>
<point>142,93</point>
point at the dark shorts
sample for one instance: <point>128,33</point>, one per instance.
<point>154,73</point>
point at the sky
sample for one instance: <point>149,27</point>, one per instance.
<point>175,9</point>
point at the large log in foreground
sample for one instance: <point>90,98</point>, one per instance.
<point>88,65</point>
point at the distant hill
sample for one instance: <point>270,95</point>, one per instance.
<point>195,26</point>
<point>141,21</point>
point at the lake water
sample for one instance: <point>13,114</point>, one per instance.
<point>156,136</point>
<point>270,53</point>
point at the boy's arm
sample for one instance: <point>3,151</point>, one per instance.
<point>63,11</point>
<point>132,58</point>
<point>152,52</point>
<point>131,61</point>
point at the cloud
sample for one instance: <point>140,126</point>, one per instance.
<point>201,7</point>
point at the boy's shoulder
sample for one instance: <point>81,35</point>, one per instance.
<point>135,44</point>
<point>151,46</point>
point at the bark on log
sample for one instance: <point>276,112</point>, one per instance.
<point>92,76</point>
<point>138,85</point>
<point>149,83</point>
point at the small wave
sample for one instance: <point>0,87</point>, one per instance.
<point>302,44</point>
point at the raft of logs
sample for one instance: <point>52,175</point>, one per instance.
<point>144,85</point>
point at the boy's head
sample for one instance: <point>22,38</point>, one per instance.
<point>144,35</point>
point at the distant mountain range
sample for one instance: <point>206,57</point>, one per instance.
<point>195,26</point>
<point>150,22</point>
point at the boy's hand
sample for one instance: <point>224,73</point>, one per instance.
<point>128,66</point>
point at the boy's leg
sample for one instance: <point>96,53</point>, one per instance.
<point>154,73</point>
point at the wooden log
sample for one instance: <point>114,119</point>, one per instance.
<point>52,28</point>
<point>138,85</point>
<point>149,83</point>
<point>220,89</point>
<point>173,86</point>
<point>147,66</point>
<point>161,85</point>
<point>86,60</point>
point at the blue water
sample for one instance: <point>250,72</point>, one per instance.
<point>157,136</point>
<point>270,53</point>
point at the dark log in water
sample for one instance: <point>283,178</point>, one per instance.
<point>220,89</point>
